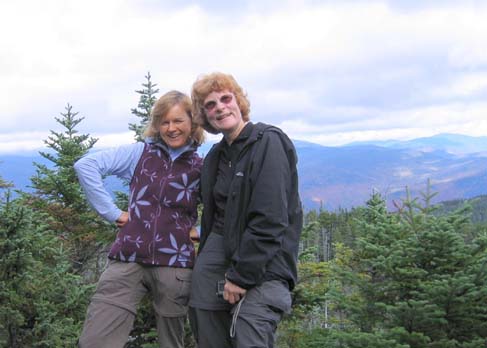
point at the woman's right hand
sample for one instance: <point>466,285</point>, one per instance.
<point>122,219</point>
<point>194,235</point>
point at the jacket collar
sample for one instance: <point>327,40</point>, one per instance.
<point>256,131</point>
<point>162,145</point>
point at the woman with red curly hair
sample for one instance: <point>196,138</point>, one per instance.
<point>251,222</point>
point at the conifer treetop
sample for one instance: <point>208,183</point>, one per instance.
<point>144,107</point>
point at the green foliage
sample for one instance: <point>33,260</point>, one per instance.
<point>144,333</point>
<point>413,277</point>
<point>309,305</point>
<point>122,200</point>
<point>323,229</point>
<point>144,107</point>
<point>59,195</point>
<point>320,338</point>
<point>478,206</point>
<point>41,303</point>
<point>59,184</point>
<point>4,184</point>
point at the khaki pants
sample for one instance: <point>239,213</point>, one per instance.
<point>112,310</point>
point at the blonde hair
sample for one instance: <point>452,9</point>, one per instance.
<point>162,107</point>
<point>216,82</point>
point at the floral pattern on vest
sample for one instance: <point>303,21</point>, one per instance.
<point>162,210</point>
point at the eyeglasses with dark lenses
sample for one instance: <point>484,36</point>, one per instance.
<point>224,99</point>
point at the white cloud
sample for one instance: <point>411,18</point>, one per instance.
<point>113,140</point>
<point>464,85</point>
<point>405,124</point>
<point>34,141</point>
<point>22,142</point>
<point>329,71</point>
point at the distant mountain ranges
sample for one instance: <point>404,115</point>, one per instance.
<point>346,176</point>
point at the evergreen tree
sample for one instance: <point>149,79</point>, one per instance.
<point>478,205</point>
<point>4,184</point>
<point>144,107</point>
<point>41,303</point>
<point>309,304</point>
<point>59,195</point>
<point>142,111</point>
<point>323,229</point>
<point>414,280</point>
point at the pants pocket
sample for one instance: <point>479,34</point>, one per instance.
<point>183,279</point>
<point>276,296</point>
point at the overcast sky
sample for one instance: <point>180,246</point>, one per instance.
<point>329,72</point>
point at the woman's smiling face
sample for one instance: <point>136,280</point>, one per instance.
<point>175,127</point>
<point>223,112</point>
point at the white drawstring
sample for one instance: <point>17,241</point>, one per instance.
<point>235,316</point>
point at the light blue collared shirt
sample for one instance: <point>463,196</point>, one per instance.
<point>121,162</point>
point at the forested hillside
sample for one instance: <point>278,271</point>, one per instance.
<point>369,277</point>
<point>478,205</point>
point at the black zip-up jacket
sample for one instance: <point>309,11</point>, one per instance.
<point>263,213</point>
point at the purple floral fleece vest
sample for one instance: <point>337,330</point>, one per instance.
<point>162,209</point>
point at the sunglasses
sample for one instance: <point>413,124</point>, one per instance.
<point>224,99</point>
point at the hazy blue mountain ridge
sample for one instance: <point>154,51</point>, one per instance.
<point>452,143</point>
<point>345,176</point>
<point>18,169</point>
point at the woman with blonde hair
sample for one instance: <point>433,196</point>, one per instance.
<point>153,252</point>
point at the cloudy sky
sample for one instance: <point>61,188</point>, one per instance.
<point>329,72</point>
